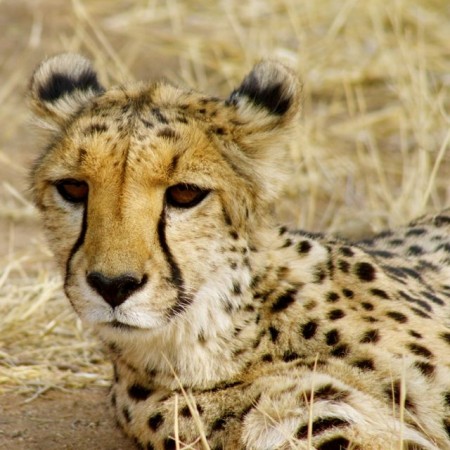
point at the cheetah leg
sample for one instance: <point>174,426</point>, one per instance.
<point>319,412</point>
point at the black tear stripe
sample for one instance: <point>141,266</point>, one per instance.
<point>78,243</point>
<point>176,278</point>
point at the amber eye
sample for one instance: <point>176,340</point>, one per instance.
<point>73,191</point>
<point>185,195</point>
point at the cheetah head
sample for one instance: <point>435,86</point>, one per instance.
<point>152,195</point>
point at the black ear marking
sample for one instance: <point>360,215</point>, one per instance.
<point>271,97</point>
<point>60,84</point>
<point>270,85</point>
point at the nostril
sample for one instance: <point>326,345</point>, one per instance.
<point>115,290</point>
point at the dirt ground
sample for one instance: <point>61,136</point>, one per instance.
<point>78,419</point>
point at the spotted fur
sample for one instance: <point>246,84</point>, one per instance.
<point>155,201</point>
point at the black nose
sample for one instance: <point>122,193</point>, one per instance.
<point>115,290</point>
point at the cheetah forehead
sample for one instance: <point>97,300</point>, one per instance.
<point>160,123</point>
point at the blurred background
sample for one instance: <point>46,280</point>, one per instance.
<point>371,150</point>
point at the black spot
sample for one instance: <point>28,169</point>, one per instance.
<point>365,271</point>
<point>267,357</point>
<point>287,243</point>
<point>379,293</point>
<point>155,421</point>
<point>440,221</point>
<point>367,306</point>
<point>340,351</point>
<point>126,414</point>
<point>369,319</point>
<point>370,336</point>
<point>149,446</point>
<point>169,444</point>
<point>433,298</point>
<point>397,316</point>
<point>159,116</point>
<point>426,368</point>
<point>394,392</point>
<point>445,247</point>
<point>185,411</point>
<point>320,425</point>
<point>411,273</point>
<point>382,254</point>
<point>332,297</point>
<point>284,300</point>
<point>420,313</point>
<point>420,350</point>
<point>415,334</point>
<point>329,392</point>
<point>348,293</point>
<point>273,334</point>
<point>304,247</point>
<point>446,337</point>
<point>60,84</point>
<point>346,251</point>
<point>272,97</point>
<point>236,288</point>
<point>309,329</point>
<point>446,425</point>
<point>336,443</point>
<point>219,130</point>
<point>95,128</point>
<point>290,356</point>
<point>332,337</point>
<point>415,250</point>
<point>116,376</point>
<point>138,392</point>
<point>147,123</point>
<point>364,364</point>
<point>234,235</point>
<point>415,232</point>
<point>447,398</point>
<point>219,424</point>
<point>343,266</point>
<point>319,275</point>
<point>415,300</point>
<point>396,242</point>
<point>282,230</point>
<point>336,314</point>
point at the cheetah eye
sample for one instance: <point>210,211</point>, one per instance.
<point>185,195</point>
<point>73,191</point>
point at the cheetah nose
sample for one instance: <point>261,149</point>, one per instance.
<point>115,290</point>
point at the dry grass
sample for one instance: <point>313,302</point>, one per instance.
<point>371,152</point>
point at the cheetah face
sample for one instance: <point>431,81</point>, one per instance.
<point>151,196</point>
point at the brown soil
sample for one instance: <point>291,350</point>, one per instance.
<point>77,419</point>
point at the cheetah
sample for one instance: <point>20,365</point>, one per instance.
<point>225,330</point>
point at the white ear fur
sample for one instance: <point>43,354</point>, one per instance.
<point>60,86</point>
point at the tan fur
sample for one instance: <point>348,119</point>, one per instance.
<point>269,330</point>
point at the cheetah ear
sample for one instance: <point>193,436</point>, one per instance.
<point>268,98</point>
<point>267,110</point>
<point>60,86</point>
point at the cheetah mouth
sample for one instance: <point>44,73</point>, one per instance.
<point>122,326</point>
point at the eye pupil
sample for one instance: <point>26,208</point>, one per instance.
<point>74,191</point>
<point>185,195</point>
